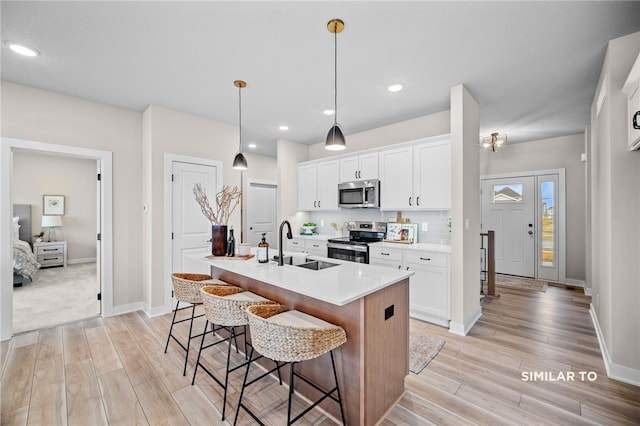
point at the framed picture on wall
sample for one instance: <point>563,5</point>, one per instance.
<point>53,205</point>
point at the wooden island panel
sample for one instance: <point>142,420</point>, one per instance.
<point>374,361</point>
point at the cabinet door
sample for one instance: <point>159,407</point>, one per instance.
<point>307,187</point>
<point>328,177</point>
<point>317,247</point>
<point>349,169</point>
<point>432,176</point>
<point>295,245</point>
<point>396,177</point>
<point>429,293</point>
<point>368,166</point>
<point>385,262</point>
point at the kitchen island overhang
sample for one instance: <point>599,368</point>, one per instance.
<point>371,303</point>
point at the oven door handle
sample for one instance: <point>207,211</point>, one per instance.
<point>347,247</point>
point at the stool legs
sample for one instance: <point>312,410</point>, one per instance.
<point>292,373</point>
<point>191,336</point>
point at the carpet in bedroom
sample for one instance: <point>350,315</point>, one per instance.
<point>56,296</point>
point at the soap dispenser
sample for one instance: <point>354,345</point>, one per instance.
<point>263,249</point>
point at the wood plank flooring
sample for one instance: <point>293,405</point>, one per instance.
<point>114,371</point>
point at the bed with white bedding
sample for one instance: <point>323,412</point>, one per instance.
<point>25,264</point>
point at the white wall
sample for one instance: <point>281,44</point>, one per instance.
<point>562,152</point>
<point>35,175</point>
<point>38,115</point>
<point>615,229</point>
<point>289,155</point>
<point>465,211</point>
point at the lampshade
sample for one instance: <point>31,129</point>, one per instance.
<point>335,139</point>
<point>494,142</point>
<point>240,162</point>
<point>49,221</point>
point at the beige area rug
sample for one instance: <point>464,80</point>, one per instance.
<point>422,349</point>
<point>56,296</point>
<point>520,283</point>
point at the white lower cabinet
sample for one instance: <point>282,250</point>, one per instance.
<point>313,246</point>
<point>429,287</point>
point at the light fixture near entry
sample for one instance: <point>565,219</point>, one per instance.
<point>335,137</point>
<point>240,162</point>
<point>494,142</point>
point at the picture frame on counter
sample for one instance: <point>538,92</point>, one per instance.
<point>405,233</point>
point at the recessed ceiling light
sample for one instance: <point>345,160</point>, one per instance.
<point>395,87</point>
<point>22,49</point>
<point>284,128</point>
<point>252,145</point>
<point>328,112</point>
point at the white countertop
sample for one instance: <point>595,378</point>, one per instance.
<point>313,236</point>
<point>338,285</point>
<point>439,248</point>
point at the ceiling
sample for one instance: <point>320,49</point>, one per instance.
<point>531,66</point>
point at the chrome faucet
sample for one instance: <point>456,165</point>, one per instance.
<point>289,236</point>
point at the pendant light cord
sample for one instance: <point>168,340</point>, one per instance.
<point>240,117</point>
<point>335,73</point>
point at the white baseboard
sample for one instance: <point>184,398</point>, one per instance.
<point>463,329</point>
<point>81,260</point>
<point>614,371</point>
<point>125,309</point>
<point>154,312</point>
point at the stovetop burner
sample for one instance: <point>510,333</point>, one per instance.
<point>362,233</point>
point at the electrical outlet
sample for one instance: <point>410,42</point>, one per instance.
<point>425,226</point>
<point>321,222</point>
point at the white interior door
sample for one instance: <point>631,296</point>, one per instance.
<point>99,231</point>
<point>508,208</point>
<point>261,213</point>
<point>191,229</point>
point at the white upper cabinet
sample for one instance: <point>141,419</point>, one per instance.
<point>396,179</point>
<point>359,167</point>
<point>416,177</point>
<point>318,186</point>
<point>432,176</point>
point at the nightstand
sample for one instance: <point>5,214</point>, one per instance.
<point>52,253</point>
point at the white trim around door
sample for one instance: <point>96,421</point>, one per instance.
<point>169,159</point>
<point>105,159</point>
<point>560,215</point>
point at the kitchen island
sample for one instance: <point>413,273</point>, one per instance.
<point>370,302</point>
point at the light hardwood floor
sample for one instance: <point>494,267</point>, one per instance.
<point>114,371</point>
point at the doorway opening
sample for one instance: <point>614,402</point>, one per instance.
<point>104,218</point>
<point>261,211</point>
<point>527,212</point>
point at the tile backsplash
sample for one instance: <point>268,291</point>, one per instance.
<point>437,222</point>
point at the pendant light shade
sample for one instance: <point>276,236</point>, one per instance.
<point>335,137</point>
<point>240,162</point>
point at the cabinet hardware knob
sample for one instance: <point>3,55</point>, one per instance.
<point>315,203</point>
<point>384,254</point>
<point>425,258</point>
<point>417,201</point>
<point>410,200</point>
<point>407,268</point>
<point>318,203</point>
<point>399,266</point>
<point>530,232</point>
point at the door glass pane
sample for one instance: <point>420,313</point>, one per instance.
<point>547,190</point>
<point>511,193</point>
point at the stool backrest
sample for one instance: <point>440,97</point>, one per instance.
<point>186,286</point>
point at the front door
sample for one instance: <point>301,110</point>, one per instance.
<point>261,213</point>
<point>191,229</point>
<point>508,208</point>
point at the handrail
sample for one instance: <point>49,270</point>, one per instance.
<point>490,261</point>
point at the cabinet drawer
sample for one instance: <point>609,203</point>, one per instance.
<point>385,253</point>
<point>50,260</point>
<point>426,258</point>
<point>50,250</point>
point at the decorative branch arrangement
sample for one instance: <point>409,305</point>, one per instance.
<point>226,202</point>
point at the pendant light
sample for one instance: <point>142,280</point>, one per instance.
<point>335,137</point>
<point>240,162</point>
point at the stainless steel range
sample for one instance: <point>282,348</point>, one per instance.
<point>355,247</point>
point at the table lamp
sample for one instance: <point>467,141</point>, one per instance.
<point>51,222</point>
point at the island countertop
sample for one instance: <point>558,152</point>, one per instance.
<point>338,285</point>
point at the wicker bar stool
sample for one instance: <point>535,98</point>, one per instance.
<point>292,337</point>
<point>226,307</point>
<point>186,289</point>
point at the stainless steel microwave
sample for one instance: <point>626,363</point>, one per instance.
<point>359,194</point>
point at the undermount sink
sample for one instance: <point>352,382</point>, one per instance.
<point>317,265</point>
